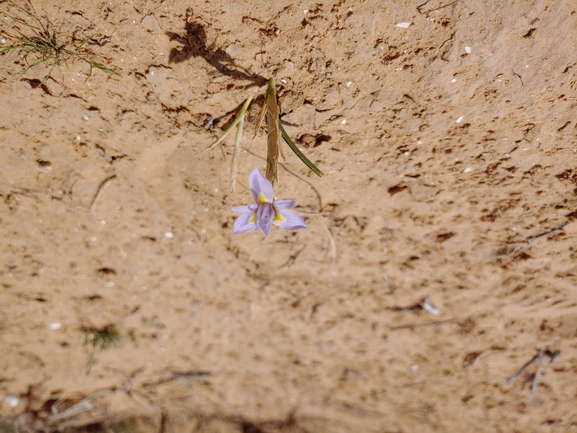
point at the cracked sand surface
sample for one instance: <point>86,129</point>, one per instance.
<point>449,149</point>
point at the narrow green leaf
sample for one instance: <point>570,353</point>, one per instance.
<point>295,149</point>
<point>241,114</point>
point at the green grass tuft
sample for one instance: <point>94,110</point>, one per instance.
<point>42,45</point>
<point>102,339</point>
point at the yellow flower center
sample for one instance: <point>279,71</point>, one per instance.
<point>278,218</point>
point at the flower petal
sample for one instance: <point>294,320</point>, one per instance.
<point>244,223</point>
<point>265,229</point>
<point>262,190</point>
<point>264,215</point>
<point>289,220</point>
<point>284,204</point>
<point>244,209</point>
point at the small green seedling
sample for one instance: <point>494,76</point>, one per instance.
<point>40,44</point>
<point>270,109</point>
<point>102,339</point>
<point>275,130</point>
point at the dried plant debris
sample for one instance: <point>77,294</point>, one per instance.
<point>539,358</point>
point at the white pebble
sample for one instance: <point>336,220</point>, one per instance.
<point>55,326</point>
<point>460,119</point>
<point>468,50</point>
<point>168,235</point>
<point>403,25</point>
<point>468,170</point>
<point>12,400</point>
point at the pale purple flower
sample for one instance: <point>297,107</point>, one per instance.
<point>266,209</point>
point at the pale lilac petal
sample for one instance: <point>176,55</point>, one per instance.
<point>244,223</point>
<point>244,209</point>
<point>284,204</point>
<point>261,187</point>
<point>265,229</point>
<point>264,215</point>
<point>289,220</point>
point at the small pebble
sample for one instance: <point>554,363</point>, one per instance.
<point>12,400</point>
<point>208,123</point>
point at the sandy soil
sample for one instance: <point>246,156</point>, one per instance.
<point>442,249</point>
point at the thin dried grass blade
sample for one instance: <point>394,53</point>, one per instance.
<point>260,118</point>
<point>238,118</point>
<point>235,154</point>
